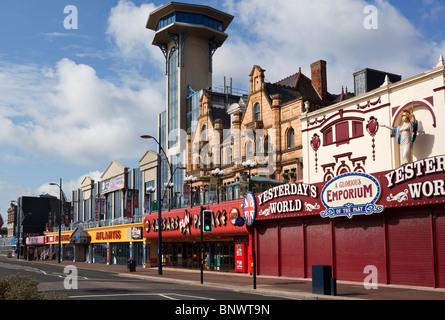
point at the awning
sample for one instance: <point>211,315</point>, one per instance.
<point>80,236</point>
<point>259,180</point>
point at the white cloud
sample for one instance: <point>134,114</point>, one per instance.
<point>67,186</point>
<point>282,36</point>
<point>71,114</point>
<point>126,27</point>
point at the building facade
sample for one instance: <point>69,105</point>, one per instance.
<point>188,36</point>
<point>355,181</point>
<point>361,206</point>
<point>263,127</point>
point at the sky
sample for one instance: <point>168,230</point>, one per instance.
<point>80,81</point>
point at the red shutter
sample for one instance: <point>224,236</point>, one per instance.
<point>291,251</point>
<point>440,249</point>
<point>318,245</point>
<point>410,254</point>
<point>342,132</point>
<point>359,242</point>
<point>267,247</point>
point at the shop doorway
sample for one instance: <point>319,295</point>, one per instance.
<point>138,253</point>
<point>119,253</point>
<point>218,256</point>
<point>100,253</point>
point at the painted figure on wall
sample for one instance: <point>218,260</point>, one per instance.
<point>405,135</point>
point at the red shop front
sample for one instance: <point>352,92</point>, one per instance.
<point>398,232</point>
<point>225,248</point>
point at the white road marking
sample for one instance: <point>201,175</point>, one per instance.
<point>164,295</point>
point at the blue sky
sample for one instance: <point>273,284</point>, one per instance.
<point>73,100</point>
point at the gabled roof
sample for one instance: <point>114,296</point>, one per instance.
<point>80,236</point>
<point>291,81</point>
<point>115,168</point>
<point>293,87</point>
<point>87,181</point>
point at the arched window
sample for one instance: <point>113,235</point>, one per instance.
<point>266,146</point>
<point>290,138</point>
<point>256,112</point>
<point>204,133</point>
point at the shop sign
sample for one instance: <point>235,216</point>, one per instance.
<point>233,215</point>
<point>109,235</point>
<point>286,198</point>
<point>64,237</point>
<point>35,241</point>
<point>351,194</point>
<point>136,233</point>
<point>419,182</point>
<point>184,224</point>
<point>113,184</point>
<point>249,208</point>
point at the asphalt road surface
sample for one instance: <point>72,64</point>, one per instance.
<point>99,285</point>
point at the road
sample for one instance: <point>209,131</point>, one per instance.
<point>99,285</point>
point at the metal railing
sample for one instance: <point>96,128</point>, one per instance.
<point>97,224</point>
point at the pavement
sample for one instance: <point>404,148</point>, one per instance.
<point>273,286</point>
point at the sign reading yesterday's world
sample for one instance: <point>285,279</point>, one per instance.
<point>287,199</point>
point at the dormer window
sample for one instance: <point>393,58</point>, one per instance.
<point>204,133</point>
<point>256,112</point>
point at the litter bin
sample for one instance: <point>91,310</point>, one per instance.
<point>131,265</point>
<point>321,279</point>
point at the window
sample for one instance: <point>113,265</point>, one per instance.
<point>342,131</point>
<point>249,149</point>
<point>187,17</point>
<point>290,138</point>
<point>357,129</point>
<point>256,112</point>
<point>266,146</point>
<point>173,102</point>
<point>204,133</point>
<point>229,156</point>
<point>327,137</point>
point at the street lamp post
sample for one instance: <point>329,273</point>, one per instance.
<point>249,164</point>
<point>217,173</point>
<point>158,191</point>
<point>150,191</point>
<point>60,218</point>
<point>169,186</point>
<point>190,179</point>
<point>158,198</point>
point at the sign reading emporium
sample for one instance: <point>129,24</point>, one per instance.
<point>351,194</point>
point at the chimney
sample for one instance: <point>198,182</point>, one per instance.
<point>319,81</point>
